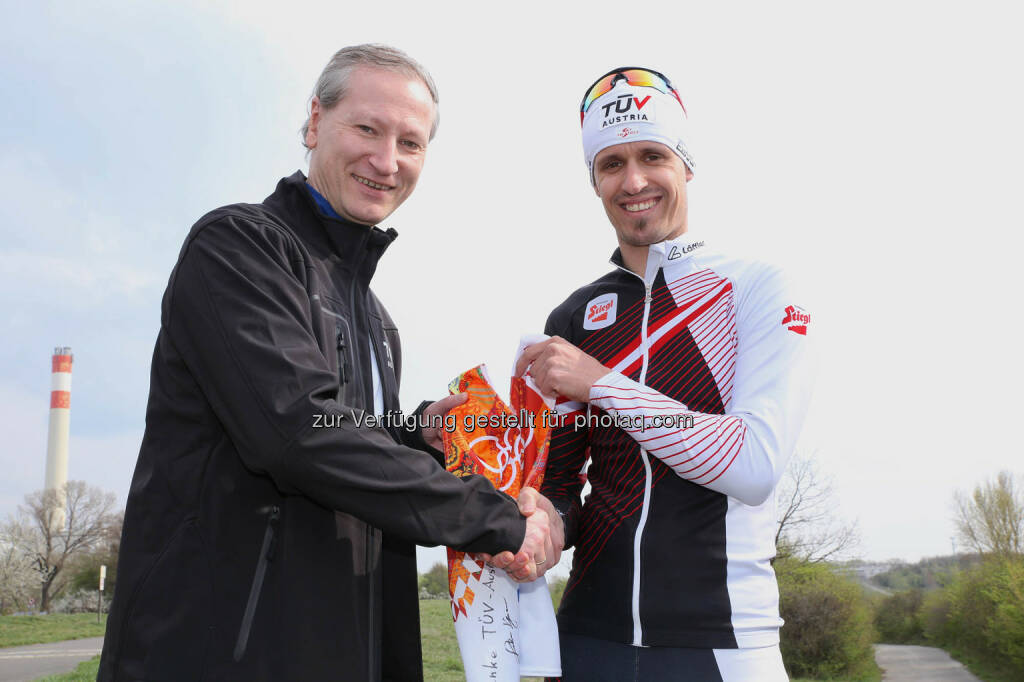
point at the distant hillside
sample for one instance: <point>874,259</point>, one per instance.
<point>926,574</point>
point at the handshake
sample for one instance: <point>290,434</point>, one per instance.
<point>512,455</point>
<point>542,546</point>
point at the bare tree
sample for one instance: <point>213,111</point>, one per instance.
<point>49,547</point>
<point>808,527</point>
<point>991,520</point>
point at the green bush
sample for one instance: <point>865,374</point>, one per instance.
<point>898,618</point>
<point>934,615</point>
<point>434,582</point>
<point>557,588</point>
<point>971,608</point>
<point>87,575</point>
<point>1006,626</point>
<point>828,630</point>
<point>979,617</point>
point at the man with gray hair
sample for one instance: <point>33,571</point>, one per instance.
<point>270,527</point>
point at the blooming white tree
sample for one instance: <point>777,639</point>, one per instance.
<point>35,537</point>
<point>17,579</point>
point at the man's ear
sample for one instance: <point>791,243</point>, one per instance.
<point>689,174</point>
<point>314,123</point>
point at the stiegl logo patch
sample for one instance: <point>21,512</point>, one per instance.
<point>600,312</point>
<point>796,319</point>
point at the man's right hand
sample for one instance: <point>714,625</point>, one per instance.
<point>542,545</point>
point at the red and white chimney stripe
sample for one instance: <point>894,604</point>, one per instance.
<point>60,381</point>
<point>57,438</point>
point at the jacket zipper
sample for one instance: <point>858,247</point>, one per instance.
<point>370,635</point>
<point>343,347</point>
<point>354,314</point>
<point>266,554</point>
<point>638,537</point>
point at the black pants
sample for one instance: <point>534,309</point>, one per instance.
<point>585,659</point>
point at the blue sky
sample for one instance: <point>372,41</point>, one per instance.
<point>108,152</point>
<point>873,150</point>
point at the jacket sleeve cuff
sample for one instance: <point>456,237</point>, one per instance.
<point>569,513</point>
<point>413,438</point>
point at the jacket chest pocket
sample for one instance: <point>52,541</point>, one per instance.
<point>349,391</point>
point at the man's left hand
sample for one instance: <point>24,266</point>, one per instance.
<point>432,430</point>
<point>558,367</point>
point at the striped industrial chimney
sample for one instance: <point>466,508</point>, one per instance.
<point>57,440</point>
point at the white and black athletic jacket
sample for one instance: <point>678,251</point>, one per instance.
<point>686,439</point>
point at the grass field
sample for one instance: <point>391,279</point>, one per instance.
<point>19,630</point>
<point>441,659</point>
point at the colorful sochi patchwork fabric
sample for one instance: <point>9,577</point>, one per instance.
<point>504,629</point>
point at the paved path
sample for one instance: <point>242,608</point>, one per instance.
<point>904,663</point>
<point>26,663</point>
<point>901,663</point>
<point>868,585</point>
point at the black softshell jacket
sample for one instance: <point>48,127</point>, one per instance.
<point>266,536</point>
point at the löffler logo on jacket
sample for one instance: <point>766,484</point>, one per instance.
<point>677,251</point>
<point>627,109</point>
<point>796,319</point>
<point>600,311</point>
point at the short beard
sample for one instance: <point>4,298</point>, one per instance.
<point>639,226</point>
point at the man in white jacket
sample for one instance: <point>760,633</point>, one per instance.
<point>683,376</point>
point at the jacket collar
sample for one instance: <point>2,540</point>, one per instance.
<point>665,254</point>
<point>358,247</point>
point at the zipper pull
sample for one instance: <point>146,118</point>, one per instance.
<point>647,292</point>
<point>342,358</point>
<point>275,516</point>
